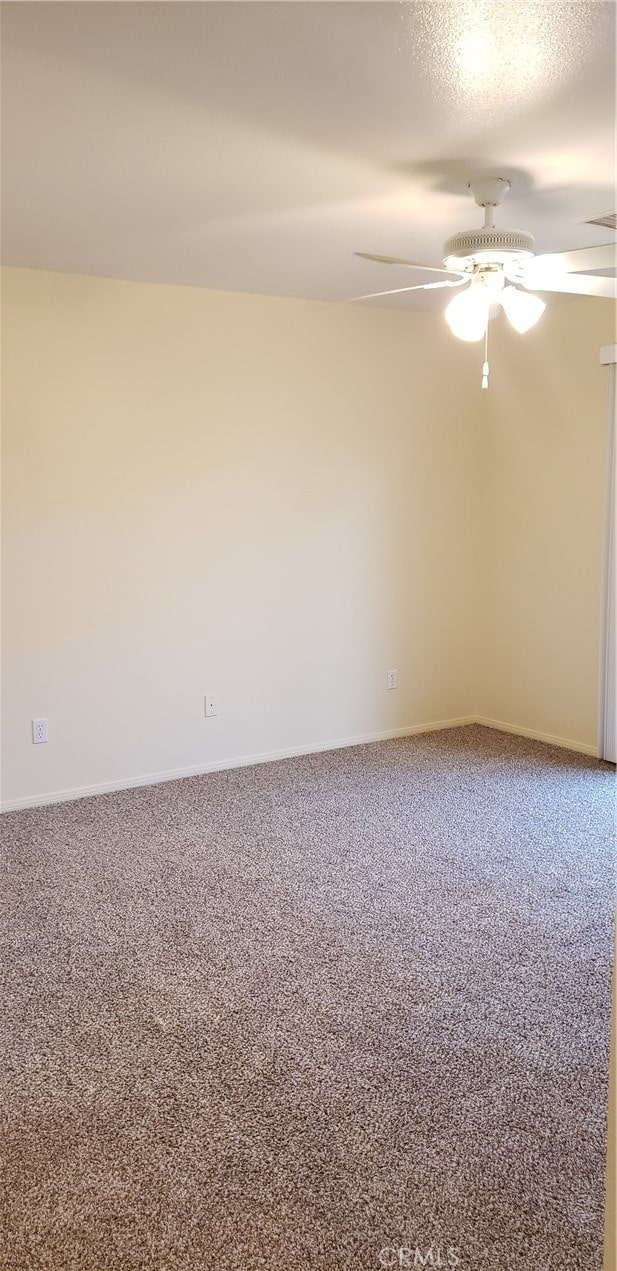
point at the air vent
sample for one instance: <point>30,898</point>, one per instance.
<point>609,221</point>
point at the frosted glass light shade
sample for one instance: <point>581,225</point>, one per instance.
<point>522,308</point>
<point>467,314</point>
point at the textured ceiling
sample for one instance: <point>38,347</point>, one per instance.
<point>255,146</point>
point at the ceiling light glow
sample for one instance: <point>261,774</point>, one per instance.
<point>475,53</point>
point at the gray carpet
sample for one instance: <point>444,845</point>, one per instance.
<point>313,1013</point>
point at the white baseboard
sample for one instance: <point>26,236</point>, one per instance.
<point>243,761</point>
<point>518,731</point>
<point>218,765</point>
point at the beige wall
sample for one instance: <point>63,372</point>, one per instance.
<point>276,502</point>
<point>542,438</point>
<point>205,492</point>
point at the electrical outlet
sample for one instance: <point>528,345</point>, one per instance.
<point>39,731</point>
<point>392,679</point>
<point>210,705</point>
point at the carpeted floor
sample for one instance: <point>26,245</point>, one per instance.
<point>310,1014</point>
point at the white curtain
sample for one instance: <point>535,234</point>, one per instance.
<point>607,741</point>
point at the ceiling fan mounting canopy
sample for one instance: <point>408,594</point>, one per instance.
<point>489,191</point>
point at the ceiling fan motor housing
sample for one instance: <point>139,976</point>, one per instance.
<point>488,246</point>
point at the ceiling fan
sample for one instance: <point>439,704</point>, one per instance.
<point>498,267</point>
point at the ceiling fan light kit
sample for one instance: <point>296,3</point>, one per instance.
<point>499,269</point>
<point>469,313</point>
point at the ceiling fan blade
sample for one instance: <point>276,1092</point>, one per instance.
<point>572,285</point>
<point>412,264</point>
<point>603,256</point>
<point>423,286</point>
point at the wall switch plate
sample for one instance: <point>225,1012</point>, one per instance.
<point>210,705</point>
<point>39,731</point>
<point>392,679</point>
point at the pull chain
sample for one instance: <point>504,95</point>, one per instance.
<point>485,367</point>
